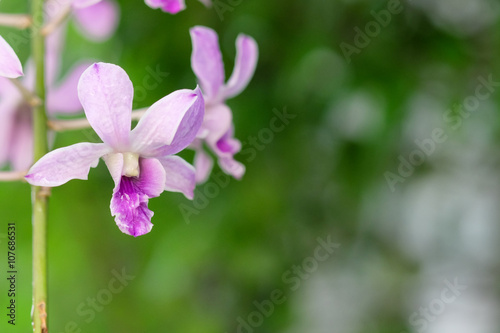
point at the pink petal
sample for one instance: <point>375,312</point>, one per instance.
<point>232,167</point>
<point>63,164</point>
<point>206,61</point>
<point>228,144</point>
<point>152,177</point>
<point>247,53</point>
<point>180,175</point>
<point>170,124</point>
<point>129,203</point>
<point>28,80</point>
<point>114,162</point>
<point>84,3</point>
<point>169,6</point>
<point>10,65</point>
<point>64,98</point>
<point>7,125</point>
<point>98,22</point>
<point>225,148</point>
<point>53,48</point>
<point>106,94</point>
<point>217,122</point>
<point>21,144</point>
<point>203,164</point>
<point>7,88</point>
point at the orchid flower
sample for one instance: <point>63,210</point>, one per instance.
<point>217,129</point>
<point>10,65</point>
<point>140,160</point>
<point>172,6</point>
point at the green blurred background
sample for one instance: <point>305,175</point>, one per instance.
<point>323,176</point>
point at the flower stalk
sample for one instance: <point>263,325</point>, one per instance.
<point>30,98</point>
<point>39,194</point>
<point>18,21</point>
<point>60,125</point>
<point>9,176</point>
<point>57,21</point>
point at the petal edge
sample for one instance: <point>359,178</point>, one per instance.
<point>64,164</point>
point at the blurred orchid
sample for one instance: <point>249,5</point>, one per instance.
<point>10,65</point>
<point>96,19</point>
<point>139,161</point>
<point>16,135</point>
<point>172,6</point>
<point>217,129</point>
<point>99,21</point>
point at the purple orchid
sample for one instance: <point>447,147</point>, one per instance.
<point>140,160</point>
<point>10,65</point>
<point>172,6</point>
<point>217,129</point>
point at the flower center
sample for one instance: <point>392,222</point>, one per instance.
<point>130,165</point>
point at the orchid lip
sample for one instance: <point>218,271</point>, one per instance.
<point>129,205</point>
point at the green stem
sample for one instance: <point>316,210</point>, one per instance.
<point>39,194</point>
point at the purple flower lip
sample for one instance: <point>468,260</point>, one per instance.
<point>224,146</point>
<point>130,207</point>
<point>138,160</point>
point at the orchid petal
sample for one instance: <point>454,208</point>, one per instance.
<point>227,144</point>
<point>232,167</point>
<point>21,144</point>
<point>53,49</point>
<point>180,175</point>
<point>203,164</point>
<point>106,94</point>
<point>169,6</point>
<point>114,162</point>
<point>28,80</point>
<point>64,164</point>
<point>170,124</point>
<point>225,148</point>
<point>9,93</point>
<point>206,61</point>
<point>217,122</point>
<point>10,65</point>
<point>7,127</point>
<point>152,177</point>
<point>129,203</point>
<point>98,22</point>
<point>247,53</point>
<point>64,98</point>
